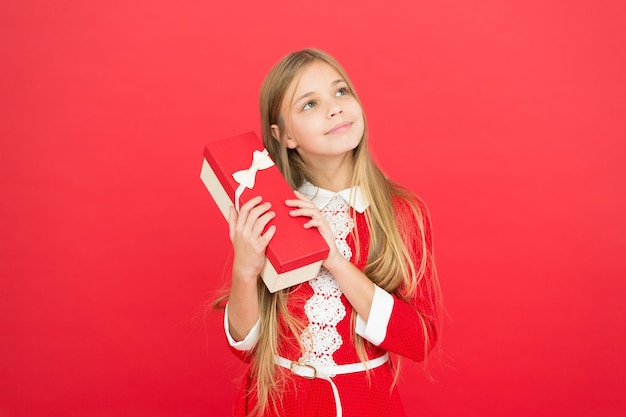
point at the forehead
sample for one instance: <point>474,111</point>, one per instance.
<point>312,77</point>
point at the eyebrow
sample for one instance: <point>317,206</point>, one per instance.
<point>305,95</point>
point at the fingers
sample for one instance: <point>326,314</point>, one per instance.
<point>301,200</point>
<point>319,223</point>
<point>254,215</point>
<point>261,223</point>
<point>249,237</point>
<point>252,219</point>
<point>267,236</point>
<point>311,212</point>
<point>244,210</point>
<point>232,221</point>
<point>300,195</point>
<point>301,204</point>
<point>305,207</point>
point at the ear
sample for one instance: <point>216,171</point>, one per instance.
<point>275,132</point>
<point>289,141</point>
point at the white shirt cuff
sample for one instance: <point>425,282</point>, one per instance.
<point>375,329</point>
<point>249,341</point>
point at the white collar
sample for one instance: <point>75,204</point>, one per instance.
<point>320,197</point>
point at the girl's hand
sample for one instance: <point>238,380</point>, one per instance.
<point>304,207</point>
<point>249,241</point>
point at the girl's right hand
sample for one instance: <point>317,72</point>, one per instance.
<point>249,241</point>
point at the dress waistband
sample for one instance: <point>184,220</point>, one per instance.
<point>327,372</point>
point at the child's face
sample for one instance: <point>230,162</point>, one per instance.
<point>323,119</point>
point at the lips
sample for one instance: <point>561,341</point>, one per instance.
<point>339,128</point>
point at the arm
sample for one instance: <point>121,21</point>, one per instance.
<point>399,326</point>
<point>403,327</point>
<point>243,348</point>
<point>407,326</point>
<point>249,244</point>
<point>354,284</point>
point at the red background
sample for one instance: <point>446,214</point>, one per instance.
<point>507,117</point>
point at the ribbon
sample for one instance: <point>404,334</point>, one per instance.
<point>245,178</point>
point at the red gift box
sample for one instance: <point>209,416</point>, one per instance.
<point>294,254</point>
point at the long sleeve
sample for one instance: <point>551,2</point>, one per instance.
<point>410,333</point>
<point>316,329</point>
<point>243,348</point>
<point>406,327</point>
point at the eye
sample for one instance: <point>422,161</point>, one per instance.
<point>342,92</point>
<point>309,105</point>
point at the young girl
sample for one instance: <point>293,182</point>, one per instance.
<point>322,348</point>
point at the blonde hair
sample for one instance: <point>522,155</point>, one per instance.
<point>389,263</point>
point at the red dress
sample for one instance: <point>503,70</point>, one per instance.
<point>394,326</point>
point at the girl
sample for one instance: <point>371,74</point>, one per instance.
<point>322,348</point>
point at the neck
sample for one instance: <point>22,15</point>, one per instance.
<point>332,183</point>
<point>333,175</point>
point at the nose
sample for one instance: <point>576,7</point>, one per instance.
<point>334,109</point>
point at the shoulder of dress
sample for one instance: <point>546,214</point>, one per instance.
<point>409,206</point>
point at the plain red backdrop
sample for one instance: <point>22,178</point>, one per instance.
<point>506,117</point>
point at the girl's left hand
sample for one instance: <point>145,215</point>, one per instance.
<point>305,207</point>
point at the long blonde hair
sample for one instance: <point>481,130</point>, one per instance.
<point>389,263</point>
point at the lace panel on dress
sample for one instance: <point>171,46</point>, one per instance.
<point>324,309</point>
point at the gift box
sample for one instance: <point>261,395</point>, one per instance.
<point>237,169</point>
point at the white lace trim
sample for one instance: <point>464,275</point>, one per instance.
<point>324,309</point>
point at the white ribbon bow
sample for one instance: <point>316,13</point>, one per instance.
<point>245,178</point>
